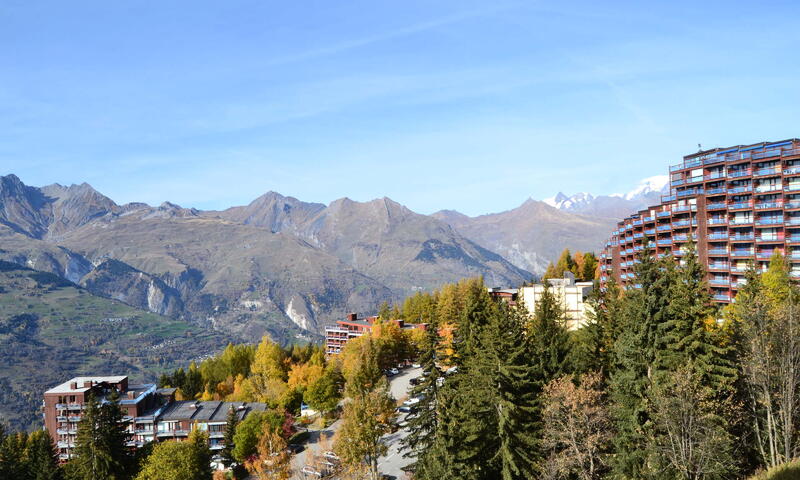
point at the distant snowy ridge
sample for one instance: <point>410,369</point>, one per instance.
<point>617,205</point>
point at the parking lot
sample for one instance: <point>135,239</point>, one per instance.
<point>321,440</point>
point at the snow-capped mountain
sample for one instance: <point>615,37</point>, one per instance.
<point>617,205</point>
<point>655,184</point>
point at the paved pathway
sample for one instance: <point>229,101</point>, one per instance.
<point>321,440</point>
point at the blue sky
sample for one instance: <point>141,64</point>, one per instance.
<point>474,106</point>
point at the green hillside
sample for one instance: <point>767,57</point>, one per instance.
<point>51,330</point>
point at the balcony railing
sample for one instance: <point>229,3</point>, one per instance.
<point>770,188</point>
<point>719,282</point>
<point>738,173</point>
<point>770,238</point>
<point>717,251</point>
<point>689,192</point>
<point>722,297</point>
<point>650,231</point>
<point>793,238</point>
<point>716,206</point>
<point>740,221</point>
<point>791,171</point>
<point>791,205</point>
<point>719,266</point>
<point>663,214</point>
<point>681,223</point>
<point>675,183</point>
<point>664,228</point>
<point>769,205</point>
<point>718,236</point>
<point>638,235</point>
<point>769,221</point>
<point>714,175</point>
<point>649,219</point>
<point>665,242</point>
<point>792,187</point>
<point>742,189</point>
<point>768,171</point>
<point>741,237</point>
<point>717,221</point>
<point>742,253</point>
<point>740,205</point>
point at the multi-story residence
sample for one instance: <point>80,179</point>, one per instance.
<point>151,414</point>
<point>738,204</point>
<point>571,294</point>
<point>180,418</point>
<point>64,405</point>
<point>337,336</point>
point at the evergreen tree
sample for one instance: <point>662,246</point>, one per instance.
<point>42,457</point>
<point>635,358</point>
<point>93,457</point>
<point>549,339</point>
<point>12,459</point>
<point>690,335</point>
<point>593,345</point>
<point>507,359</point>
<point>230,432</point>
<point>424,425</point>
<point>589,268</point>
<point>100,445</point>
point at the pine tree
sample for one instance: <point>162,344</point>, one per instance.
<point>507,359</point>
<point>424,426</point>
<point>549,339</point>
<point>12,459</point>
<point>42,457</point>
<point>690,335</point>
<point>230,431</point>
<point>589,268</point>
<point>593,345</point>
<point>635,358</point>
<point>93,457</point>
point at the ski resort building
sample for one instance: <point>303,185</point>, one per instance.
<point>738,205</point>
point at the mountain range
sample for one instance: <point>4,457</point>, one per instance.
<point>280,265</point>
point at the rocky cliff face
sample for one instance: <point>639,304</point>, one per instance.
<point>277,265</point>
<point>533,234</point>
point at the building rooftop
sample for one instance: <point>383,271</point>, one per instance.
<point>79,382</point>
<point>210,411</point>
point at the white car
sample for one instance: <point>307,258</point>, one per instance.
<point>416,365</point>
<point>411,401</point>
<point>394,371</point>
<point>331,456</point>
<point>310,471</point>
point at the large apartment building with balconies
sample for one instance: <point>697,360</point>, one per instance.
<point>738,204</point>
<point>151,414</point>
<point>64,405</point>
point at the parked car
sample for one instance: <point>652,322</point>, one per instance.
<point>412,401</point>
<point>310,471</point>
<point>415,381</point>
<point>416,365</point>
<point>389,373</point>
<point>331,456</point>
<point>394,371</point>
<point>404,409</point>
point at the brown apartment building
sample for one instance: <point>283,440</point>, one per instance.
<point>737,204</point>
<point>64,404</point>
<point>151,414</point>
<point>337,336</point>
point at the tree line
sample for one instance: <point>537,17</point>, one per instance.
<point>660,384</point>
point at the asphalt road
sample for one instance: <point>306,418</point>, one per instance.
<point>322,440</point>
